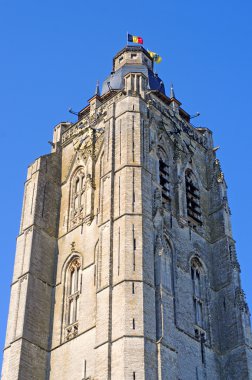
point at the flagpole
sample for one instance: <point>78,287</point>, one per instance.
<point>127,38</point>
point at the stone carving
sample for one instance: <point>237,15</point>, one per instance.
<point>88,143</point>
<point>220,177</point>
<point>240,300</point>
<point>159,245</point>
<point>71,331</point>
<point>74,264</point>
<point>81,202</point>
<point>233,258</point>
<point>181,124</point>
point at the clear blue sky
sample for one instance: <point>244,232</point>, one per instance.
<point>52,53</point>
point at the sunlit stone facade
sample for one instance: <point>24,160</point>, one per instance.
<point>125,265</point>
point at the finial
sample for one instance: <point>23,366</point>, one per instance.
<point>97,89</point>
<point>172,93</point>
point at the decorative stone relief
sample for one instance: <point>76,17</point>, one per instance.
<point>71,331</point>
<point>233,258</point>
<point>81,198</point>
<point>159,245</point>
<point>240,300</point>
<point>220,177</point>
<point>75,263</point>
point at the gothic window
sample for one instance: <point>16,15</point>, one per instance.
<point>198,292</point>
<point>78,198</point>
<point>164,179</point>
<point>163,264</point>
<point>192,198</point>
<point>72,297</point>
<point>166,267</point>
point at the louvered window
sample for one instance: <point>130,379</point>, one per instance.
<point>164,180</point>
<point>192,198</point>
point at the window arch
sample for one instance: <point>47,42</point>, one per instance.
<point>78,197</point>
<point>163,264</point>
<point>192,198</point>
<point>72,297</point>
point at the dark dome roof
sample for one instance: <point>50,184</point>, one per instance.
<point>116,78</point>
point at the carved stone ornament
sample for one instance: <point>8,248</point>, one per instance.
<point>71,331</point>
<point>220,177</point>
<point>72,246</point>
<point>74,264</point>
<point>159,246</point>
<point>233,258</point>
<point>240,300</point>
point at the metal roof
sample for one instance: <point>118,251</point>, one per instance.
<point>116,79</point>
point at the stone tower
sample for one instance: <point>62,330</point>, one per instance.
<point>125,265</point>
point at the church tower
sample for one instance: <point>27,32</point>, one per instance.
<point>125,265</point>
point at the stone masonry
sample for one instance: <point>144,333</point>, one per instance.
<point>125,264</point>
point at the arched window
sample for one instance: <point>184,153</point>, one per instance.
<point>72,297</point>
<point>77,201</point>
<point>163,264</point>
<point>197,275</point>
<point>192,198</point>
<point>164,179</point>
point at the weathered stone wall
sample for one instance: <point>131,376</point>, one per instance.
<point>30,315</point>
<point>95,209</point>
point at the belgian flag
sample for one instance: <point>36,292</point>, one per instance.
<point>135,39</point>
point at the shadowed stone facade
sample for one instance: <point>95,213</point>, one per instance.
<point>125,265</point>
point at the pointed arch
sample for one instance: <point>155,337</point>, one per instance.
<point>164,263</point>
<point>71,273</point>
<point>198,275</point>
<point>80,196</point>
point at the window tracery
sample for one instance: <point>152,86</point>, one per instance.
<point>80,197</point>
<point>72,297</point>
<point>198,292</point>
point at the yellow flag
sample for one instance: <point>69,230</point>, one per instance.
<point>156,58</point>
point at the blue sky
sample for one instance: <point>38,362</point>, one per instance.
<point>52,53</point>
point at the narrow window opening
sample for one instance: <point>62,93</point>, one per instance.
<point>133,324</point>
<point>192,198</point>
<point>73,287</point>
<point>134,248</point>
<point>202,342</point>
<point>78,198</point>
<point>133,288</point>
<point>224,303</point>
<point>164,181</point>
<point>198,300</point>
<point>134,375</point>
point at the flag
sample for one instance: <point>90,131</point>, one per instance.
<point>135,39</point>
<point>156,58</point>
